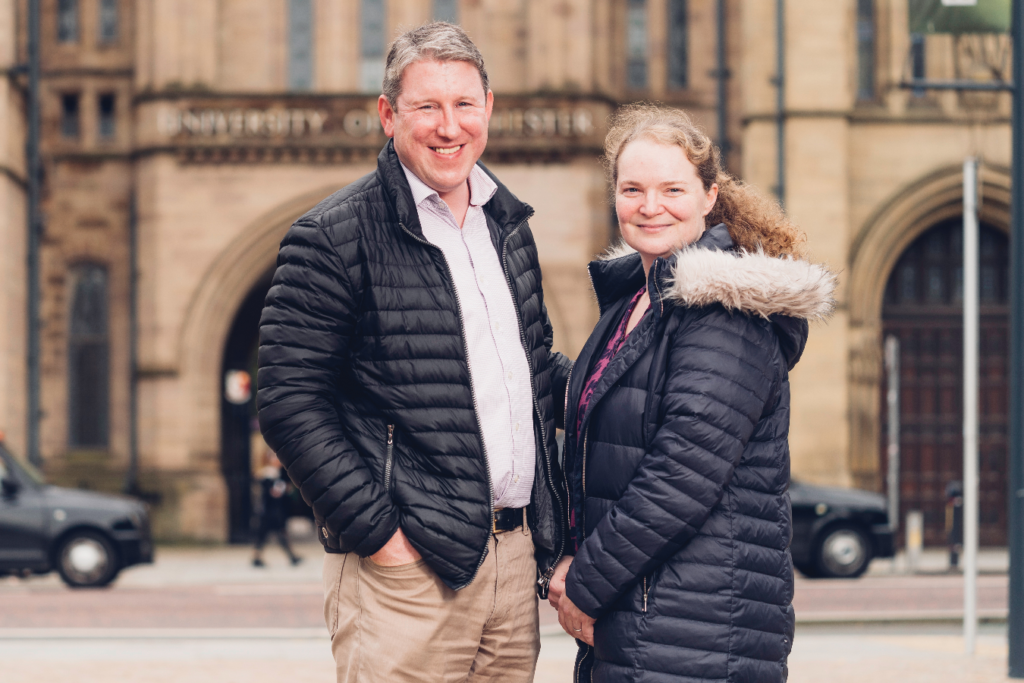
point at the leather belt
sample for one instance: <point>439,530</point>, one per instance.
<point>508,519</point>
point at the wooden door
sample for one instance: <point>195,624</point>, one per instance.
<point>923,309</point>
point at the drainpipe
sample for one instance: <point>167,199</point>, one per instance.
<point>780,99</point>
<point>34,226</point>
<point>722,74</point>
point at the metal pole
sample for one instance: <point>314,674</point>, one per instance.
<point>34,171</point>
<point>131,479</point>
<point>723,76</point>
<point>970,433</point>
<point>1016,443</point>
<point>892,400</point>
<point>780,99</point>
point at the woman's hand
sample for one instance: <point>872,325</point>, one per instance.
<point>556,587</point>
<point>575,622</point>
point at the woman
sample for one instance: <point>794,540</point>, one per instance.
<point>677,415</point>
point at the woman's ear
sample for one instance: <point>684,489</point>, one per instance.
<point>710,198</point>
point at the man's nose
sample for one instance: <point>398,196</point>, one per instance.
<point>449,124</point>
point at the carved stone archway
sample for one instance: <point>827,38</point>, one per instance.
<point>208,319</point>
<point>876,249</point>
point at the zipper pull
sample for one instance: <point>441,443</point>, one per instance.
<point>645,594</point>
<point>391,434</point>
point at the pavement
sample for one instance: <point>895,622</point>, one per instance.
<point>205,614</point>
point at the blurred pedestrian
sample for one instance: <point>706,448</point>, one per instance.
<point>406,382</point>
<point>677,421</point>
<point>274,506</point>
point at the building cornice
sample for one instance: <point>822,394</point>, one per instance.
<point>875,116</point>
<point>86,72</point>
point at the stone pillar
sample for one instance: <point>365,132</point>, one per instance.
<point>818,100</point>
<point>12,242</point>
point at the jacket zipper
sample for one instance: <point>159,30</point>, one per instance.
<point>645,594</point>
<point>545,579</point>
<point>389,460</point>
<point>583,506</point>
<point>476,407</point>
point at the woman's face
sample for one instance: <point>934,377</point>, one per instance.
<point>659,199</point>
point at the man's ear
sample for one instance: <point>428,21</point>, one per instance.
<point>387,116</point>
<point>490,104</point>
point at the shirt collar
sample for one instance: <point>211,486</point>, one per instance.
<point>481,187</point>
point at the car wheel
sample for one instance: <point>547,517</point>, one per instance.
<point>807,569</point>
<point>843,552</point>
<point>87,559</point>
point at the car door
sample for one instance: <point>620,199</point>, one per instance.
<point>22,519</point>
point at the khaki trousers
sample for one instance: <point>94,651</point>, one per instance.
<point>402,624</point>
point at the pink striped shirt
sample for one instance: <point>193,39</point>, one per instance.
<point>498,368</point>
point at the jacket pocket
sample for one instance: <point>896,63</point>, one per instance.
<point>389,458</point>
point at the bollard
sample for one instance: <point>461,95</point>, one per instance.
<point>915,539</point>
<point>955,522</point>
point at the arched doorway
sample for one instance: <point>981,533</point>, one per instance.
<point>239,425</point>
<point>922,307</point>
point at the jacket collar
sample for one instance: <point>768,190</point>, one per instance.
<point>620,272</point>
<point>504,208</point>
<point>711,271</point>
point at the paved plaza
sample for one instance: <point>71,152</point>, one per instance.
<point>205,615</point>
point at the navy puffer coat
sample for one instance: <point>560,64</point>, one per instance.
<point>364,386</point>
<point>679,474</point>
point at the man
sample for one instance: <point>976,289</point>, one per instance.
<point>405,382</point>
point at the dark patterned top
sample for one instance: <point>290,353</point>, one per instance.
<point>614,344</point>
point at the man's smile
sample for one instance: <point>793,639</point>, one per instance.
<point>447,150</point>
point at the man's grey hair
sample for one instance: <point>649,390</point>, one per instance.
<point>437,41</point>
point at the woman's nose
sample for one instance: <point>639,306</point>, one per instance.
<point>651,205</point>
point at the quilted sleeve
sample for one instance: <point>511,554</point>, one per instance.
<point>721,371</point>
<point>305,329</point>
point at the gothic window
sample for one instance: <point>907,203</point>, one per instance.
<point>678,45</point>
<point>300,44</point>
<point>446,10</point>
<point>107,118</point>
<point>108,21</point>
<point>865,49</point>
<point>67,21</point>
<point>636,44</point>
<point>88,353</point>
<point>69,118</point>
<point>373,43</point>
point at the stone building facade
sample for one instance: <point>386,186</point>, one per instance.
<point>184,136</point>
<point>12,232</point>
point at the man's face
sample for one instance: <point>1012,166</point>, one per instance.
<point>440,126</point>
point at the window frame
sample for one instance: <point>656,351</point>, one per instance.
<point>97,379</point>
<point>69,21</point>
<point>71,117</point>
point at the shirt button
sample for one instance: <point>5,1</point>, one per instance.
<point>516,479</point>
<point>517,426</point>
<point>510,374</point>
<point>497,327</point>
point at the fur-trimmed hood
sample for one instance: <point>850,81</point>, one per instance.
<point>789,292</point>
<point>712,272</point>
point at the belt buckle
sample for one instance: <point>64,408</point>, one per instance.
<point>494,522</point>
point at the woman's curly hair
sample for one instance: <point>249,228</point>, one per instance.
<point>755,221</point>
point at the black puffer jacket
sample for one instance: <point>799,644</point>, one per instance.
<point>364,390</point>
<point>679,480</point>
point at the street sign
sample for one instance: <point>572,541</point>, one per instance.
<point>959,16</point>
